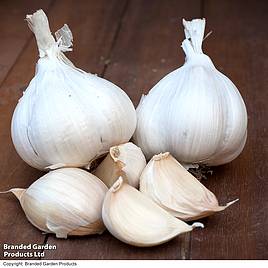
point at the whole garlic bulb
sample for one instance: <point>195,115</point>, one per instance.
<point>66,116</point>
<point>136,220</point>
<point>65,201</point>
<point>127,158</point>
<point>196,113</point>
<point>176,190</point>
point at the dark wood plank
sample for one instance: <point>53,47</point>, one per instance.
<point>106,247</point>
<point>147,48</point>
<point>14,32</point>
<point>94,24</point>
<point>239,47</point>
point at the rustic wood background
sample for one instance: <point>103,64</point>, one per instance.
<point>134,43</point>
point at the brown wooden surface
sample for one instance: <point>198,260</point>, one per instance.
<point>134,43</point>
<point>14,35</point>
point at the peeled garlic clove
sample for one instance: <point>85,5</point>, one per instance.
<point>136,220</point>
<point>176,190</point>
<point>195,112</point>
<point>126,157</point>
<point>67,117</point>
<point>65,201</point>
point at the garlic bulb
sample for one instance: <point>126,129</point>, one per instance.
<point>176,190</point>
<point>125,157</point>
<point>67,117</point>
<point>65,201</point>
<point>136,220</point>
<point>195,112</point>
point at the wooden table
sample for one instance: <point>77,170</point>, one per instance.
<point>134,43</point>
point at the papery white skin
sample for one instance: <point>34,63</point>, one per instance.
<point>65,201</point>
<point>176,190</point>
<point>136,220</point>
<point>67,117</point>
<point>127,158</point>
<point>195,112</point>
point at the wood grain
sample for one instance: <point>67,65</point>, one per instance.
<point>239,48</point>
<point>94,25</point>
<point>14,32</point>
<point>106,247</point>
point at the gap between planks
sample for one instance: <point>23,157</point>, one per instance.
<point>116,34</point>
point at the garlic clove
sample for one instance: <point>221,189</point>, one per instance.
<point>65,201</point>
<point>136,220</point>
<point>176,190</point>
<point>125,157</point>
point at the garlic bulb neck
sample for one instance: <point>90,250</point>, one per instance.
<point>47,46</point>
<point>192,45</point>
<point>195,59</point>
<point>38,23</point>
<point>194,30</point>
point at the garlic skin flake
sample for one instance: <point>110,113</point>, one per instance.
<point>66,116</point>
<point>134,219</point>
<point>127,158</point>
<point>65,201</point>
<point>195,112</point>
<point>176,190</point>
